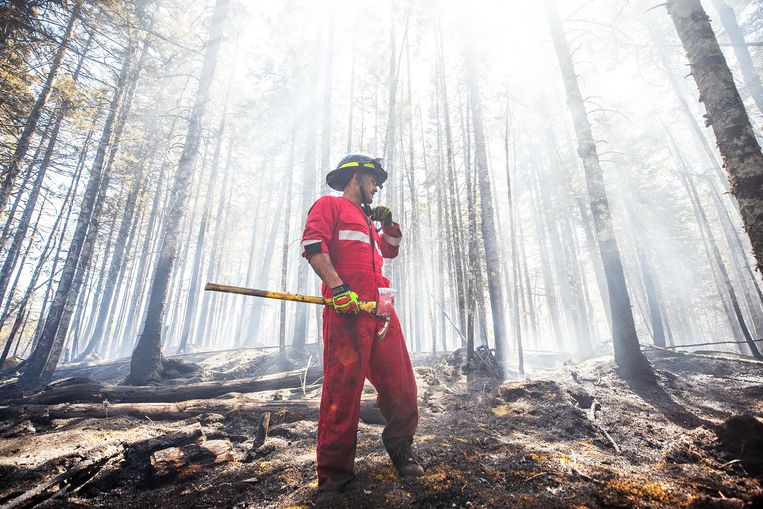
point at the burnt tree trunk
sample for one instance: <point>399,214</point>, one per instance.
<point>628,354</point>
<point>726,114</point>
<point>146,363</point>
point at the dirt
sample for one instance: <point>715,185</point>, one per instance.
<point>572,436</point>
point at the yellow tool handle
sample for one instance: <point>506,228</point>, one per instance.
<point>367,306</point>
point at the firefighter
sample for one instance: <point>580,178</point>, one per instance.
<point>344,248</point>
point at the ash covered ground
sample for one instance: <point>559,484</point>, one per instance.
<point>571,436</point>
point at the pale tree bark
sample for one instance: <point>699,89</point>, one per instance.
<point>641,246</point>
<point>285,247</point>
<point>352,100</point>
<point>88,247</point>
<point>745,274</point>
<point>726,114</point>
<point>206,314</point>
<point>627,351</point>
<point>454,241</point>
<point>115,264</point>
<point>177,282</point>
<point>18,201</point>
<point>301,325</point>
<point>146,362</point>
<point>515,279</point>
<point>724,278</point>
<point>489,235</point>
<point>49,245</point>
<point>46,301</point>
<point>193,292</point>
<point>549,284</point>
<point>744,59</point>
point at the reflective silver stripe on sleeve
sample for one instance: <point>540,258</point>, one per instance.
<point>308,242</point>
<point>392,241</point>
<point>353,235</point>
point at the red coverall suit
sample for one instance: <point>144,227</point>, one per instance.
<point>351,352</point>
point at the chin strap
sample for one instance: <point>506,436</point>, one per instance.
<point>364,202</point>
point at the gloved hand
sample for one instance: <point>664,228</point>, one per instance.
<point>345,300</point>
<point>382,214</point>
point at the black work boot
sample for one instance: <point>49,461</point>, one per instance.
<point>403,457</point>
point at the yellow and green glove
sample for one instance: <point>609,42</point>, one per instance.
<point>382,214</point>
<point>345,300</point>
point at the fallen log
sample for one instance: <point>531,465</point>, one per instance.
<point>296,409</point>
<point>95,393</point>
<point>140,450</point>
<point>190,458</point>
<point>287,410</point>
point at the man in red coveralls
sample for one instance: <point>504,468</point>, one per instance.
<point>344,248</point>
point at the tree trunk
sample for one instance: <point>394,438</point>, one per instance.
<point>285,247</point>
<point>627,351</point>
<point>203,331</point>
<point>742,52</point>
<point>724,276</point>
<point>22,146</point>
<point>117,261</point>
<point>640,244</point>
<point>515,279</point>
<point>193,292</point>
<point>60,242</point>
<point>146,360</point>
<point>49,244</point>
<point>549,285</point>
<point>454,243</point>
<point>301,325</point>
<point>726,114</point>
<point>110,339</point>
<point>88,246</point>
<point>142,271</point>
<point>489,236</point>
<point>42,352</point>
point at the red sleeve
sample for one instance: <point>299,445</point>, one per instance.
<point>389,241</point>
<point>319,228</point>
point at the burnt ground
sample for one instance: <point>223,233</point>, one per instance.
<point>572,436</point>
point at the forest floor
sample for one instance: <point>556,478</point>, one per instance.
<point>571,436</point>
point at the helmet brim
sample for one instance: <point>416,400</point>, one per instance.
<point>339,178</point>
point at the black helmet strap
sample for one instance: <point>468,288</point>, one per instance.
<point>363,195</point>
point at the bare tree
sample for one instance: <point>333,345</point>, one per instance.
<point>489,235</point>
<point>17,160</point>
<point>627,351</point>
<point>744,59</point>
<point>147,359</point>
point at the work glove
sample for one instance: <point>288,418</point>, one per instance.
<point>382,214</point>
<point>345,300</point>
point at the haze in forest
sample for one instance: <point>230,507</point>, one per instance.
<point>299,84</point>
